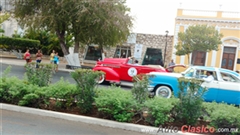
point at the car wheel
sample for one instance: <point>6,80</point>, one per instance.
<point>101,79</point>
<point>163,91</point>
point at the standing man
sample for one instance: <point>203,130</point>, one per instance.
<point>171,63</point>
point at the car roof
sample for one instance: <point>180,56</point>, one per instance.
<point>204,68</point>
<point>214,68</point>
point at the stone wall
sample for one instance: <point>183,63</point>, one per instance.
<point>148,41</point>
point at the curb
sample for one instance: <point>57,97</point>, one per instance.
<point>87,120</point>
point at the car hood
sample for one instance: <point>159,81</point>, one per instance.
<point>166,74</point>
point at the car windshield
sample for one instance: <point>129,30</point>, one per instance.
<point>130,61</point>
<point>189,72</point>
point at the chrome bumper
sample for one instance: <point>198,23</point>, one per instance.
<point>150,88</point>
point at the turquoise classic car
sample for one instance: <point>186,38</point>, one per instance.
<point>224,87</point>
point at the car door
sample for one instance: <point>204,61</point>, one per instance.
<point>212,87</point>
<point>128,71</point>
<point>229,89</point>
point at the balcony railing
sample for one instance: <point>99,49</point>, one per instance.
<point>231,14</point>
<point>199,13</point>
<point>206,13</point>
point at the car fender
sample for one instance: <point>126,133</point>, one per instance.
<point>110,74</point>
<point>238,101</point>
<point>167,79</point>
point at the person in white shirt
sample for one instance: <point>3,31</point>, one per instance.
<point>209,77</point>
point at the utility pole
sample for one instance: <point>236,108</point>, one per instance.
<point>164,58</point>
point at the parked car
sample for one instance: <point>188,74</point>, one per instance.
<point>120,70</point>
<point>224,88</point>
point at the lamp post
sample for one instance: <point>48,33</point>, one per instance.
<point>165,48</point>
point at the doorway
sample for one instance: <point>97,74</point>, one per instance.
<point>122,52</point>
<point>228,58</point>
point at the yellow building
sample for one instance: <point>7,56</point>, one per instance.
<point>227,23</point>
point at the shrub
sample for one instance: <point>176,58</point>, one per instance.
<point>86,83</point>
<point>222,115</point>
<point>35,98</point>
<point>189,108</point>
<point>39,76</point>
<point>64,93</point>
<point>115,103</point>
<point>19,90</point>
<point>140,88</point>
<point>160,109</point>
<point>10,93</point>
<point>6,95</point>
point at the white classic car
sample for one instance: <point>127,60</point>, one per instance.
<point>225,87</point>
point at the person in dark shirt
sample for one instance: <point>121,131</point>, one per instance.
<point>136,62</point>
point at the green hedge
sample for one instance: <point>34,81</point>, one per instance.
<point>160,110</point>
<point>115,103</point>
<point>18,43</point>
<point>222,115</point>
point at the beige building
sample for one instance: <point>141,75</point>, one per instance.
<point>227,23</point>
<point>147,48</point>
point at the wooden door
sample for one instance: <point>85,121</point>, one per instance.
<point>228,61</point>
<point>228,58</point>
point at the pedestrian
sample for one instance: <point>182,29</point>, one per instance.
<point>38,58</point>
<point>27,56</point>
<point>52,57</point>
<point>171,63</point>
<point>56,61</point>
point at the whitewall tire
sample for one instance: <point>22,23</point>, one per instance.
<point>101,79</point>
<point>163,91</point>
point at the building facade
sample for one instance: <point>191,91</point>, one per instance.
<point>148,49</point>
<point>228,23</point>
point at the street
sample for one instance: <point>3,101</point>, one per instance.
<point>16,123</point>
<point>19,71</point>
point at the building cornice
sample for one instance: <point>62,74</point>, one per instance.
<point>206,20</point>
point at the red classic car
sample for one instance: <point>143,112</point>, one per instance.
<point>120,70</point>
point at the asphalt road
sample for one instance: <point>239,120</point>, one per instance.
<point>19,72</point>
<point>16,123</point>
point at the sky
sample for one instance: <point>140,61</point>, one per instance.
<point>157,16</point>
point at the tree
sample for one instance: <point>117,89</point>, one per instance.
<point>198,38</point>
<point>3,18</point>
<point>48,40</point>
<point>91,22</point>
